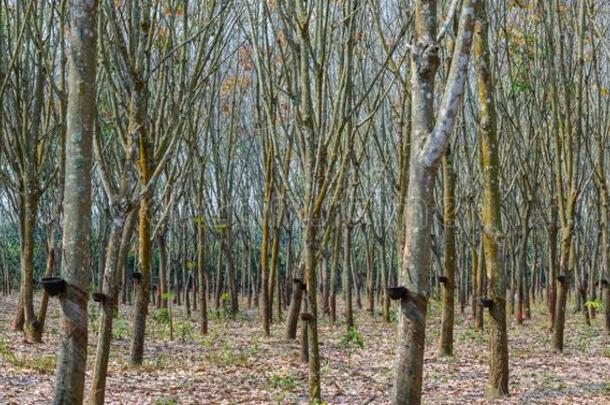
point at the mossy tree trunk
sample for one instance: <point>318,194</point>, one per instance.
<point>497,384</point>
<point>447,318</point>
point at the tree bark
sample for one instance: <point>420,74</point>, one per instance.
<point>552,265</point>
<point>295,304</point>
<point>70,375</point>
<point>33,331</point>
<point>203,301</point>
<point>430,138</point>
<point>347,282</point>
<point>142,291</point>
<point>116,251</point>
<point>497,384</point>
<point>480,291</point>
<point>447,319</point>
<point>163,264</point>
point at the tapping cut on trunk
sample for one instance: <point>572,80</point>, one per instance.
<point>99,297</point>
<point>397,293</point>
<point>487,303</point>
<point>54,285</point>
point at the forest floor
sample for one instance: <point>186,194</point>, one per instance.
<point>235,364</point>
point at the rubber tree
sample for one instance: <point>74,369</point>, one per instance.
<point>118,184</point>
<point>429,137</point>
<point>30,134</point>
<point>71,363</point>
<point>566,133</point>
<point>116,252</point>
<point>447,320</point>
<point>491,216</point>
<point>603,188</point>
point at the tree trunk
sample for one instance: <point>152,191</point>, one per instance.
<point>474,270</point>
<point>384,282</point>
<point>521,283</point>
<point>142,293</point>
<point>264,254</point>
<point>605,261</point>
<point>234,299</point>
<point>430,138</point>
<point>565,152</point>
<point>370,278</point>
<point>203,301</point>
<point>497,384</point>
<point>310,252</point>
<point>116,251</point>
<point>295,304</point>
<point>186,272</point>
<point>347,270</point>
<point>33,331</point>
<point>44,301</point>
<point>163,263</point>
<point>273,270</point>
<point>446,342</point>
<point>552,263</point>
<point>563,286</point>
<point>71,363</point>
<point>480,291</point>
<point>304,343</point>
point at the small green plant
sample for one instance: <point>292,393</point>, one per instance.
<point>283,380</point>
<point>549,380</point>
<point>7,354</point>
<point>606,353</point>
<point>583,341</point>
<point>352,339</point>
<point>253,351</point>
<point>225,300</point>
<point>471,335</point>
<point>168,296</point>
<point>229,357</point>
<point>157,363</point>
<point>597,304</point>
<point>120,328</point>
<point>166,401</point>
<point>185,330</point>
<point>161,316</point>
<point>605,389</point>
<point>205,341</point>
<point>42,364</point>
<point>435,307</point>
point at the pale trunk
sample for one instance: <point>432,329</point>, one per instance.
<point>71,362</point>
